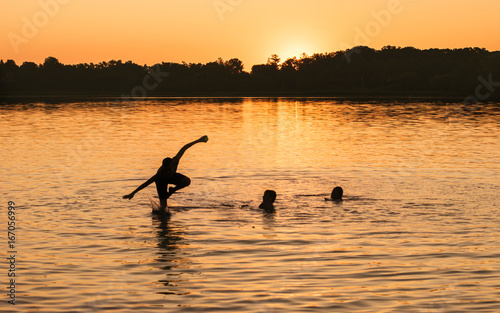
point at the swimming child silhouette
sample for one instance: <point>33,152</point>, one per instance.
<point>336,195</point>
<point>268,200</point>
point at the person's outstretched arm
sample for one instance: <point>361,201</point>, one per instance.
<point>147,183</point>
<point>179,154</point>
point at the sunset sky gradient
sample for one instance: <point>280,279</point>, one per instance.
<point>152,31</point>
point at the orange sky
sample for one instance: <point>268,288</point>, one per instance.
<point>151,31</point>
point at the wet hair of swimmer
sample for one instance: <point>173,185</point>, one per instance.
<point>269,196</point>
<point>337,193</point>
<point>166,161</point>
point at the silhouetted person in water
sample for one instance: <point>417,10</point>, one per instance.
<point>268,200</point>
<point>167,174</point>
<point>337,193</point>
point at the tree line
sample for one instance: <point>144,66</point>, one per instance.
<point>360,70</point>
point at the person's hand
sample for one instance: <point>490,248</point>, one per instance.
<point>130,196</point>
<point>203,139</point>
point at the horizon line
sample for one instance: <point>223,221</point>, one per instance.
<point>303,55</point>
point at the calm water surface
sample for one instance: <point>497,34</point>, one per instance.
<point>419,230</point>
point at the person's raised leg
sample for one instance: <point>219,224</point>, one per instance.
<point>180,181</point>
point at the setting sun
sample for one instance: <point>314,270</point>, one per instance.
<point>295,50</point>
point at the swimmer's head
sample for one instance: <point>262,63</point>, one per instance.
<point>337,193</point>
<point>267,201</point>
<point>166,161</point>
<point>269,196</point>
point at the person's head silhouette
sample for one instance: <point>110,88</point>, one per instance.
<point>268,200</point>
<point>166,161</point>
<point>269,196</point>
<point>337,193</point>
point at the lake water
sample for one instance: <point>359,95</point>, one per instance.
<point>419,230</point>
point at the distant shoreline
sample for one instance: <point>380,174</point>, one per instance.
<point>471,75</point>
<point>348,95</point>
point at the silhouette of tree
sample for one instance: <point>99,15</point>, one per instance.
<point>390,70</point>
<point>235,66</point>
<point>274,60</point>
<point>8,80</point>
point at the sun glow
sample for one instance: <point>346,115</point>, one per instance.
<point>296,47</point>
<point>295,50</point>
<point>297,42</point>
